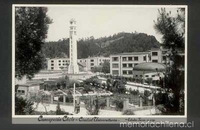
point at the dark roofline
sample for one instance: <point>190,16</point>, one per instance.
<point>131,53</point>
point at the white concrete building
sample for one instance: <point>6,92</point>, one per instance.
<point>122,64</point>
<point>58,63</point>
<point>86,63</point>
<point>91,62</point>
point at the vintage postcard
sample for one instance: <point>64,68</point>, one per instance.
<point>103,64</point>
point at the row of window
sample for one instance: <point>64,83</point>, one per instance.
<point>52,61</point>
<point>147,76</point>
<point>59,64</point>
<point>115,65</point>
<point>127,72</point>
<point>135,58</point>
<point>20,91</point>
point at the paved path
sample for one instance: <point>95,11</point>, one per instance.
<point>83,111</point>
<point>70,109</point>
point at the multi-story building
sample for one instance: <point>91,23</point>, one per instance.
<point>87,63</point>
<point>57,63</point>
<point>122,64</point>
<point>158,55</point>
<point>91,62</point>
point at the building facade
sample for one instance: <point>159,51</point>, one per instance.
<point>122,64</point>
<point>91,62</point>
<point>87,63</point>
<point>58,63</point>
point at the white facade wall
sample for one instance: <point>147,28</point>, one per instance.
<point>122,64</point>
<point>57,63</point>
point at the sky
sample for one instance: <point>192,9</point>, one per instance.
<point>102,20</point>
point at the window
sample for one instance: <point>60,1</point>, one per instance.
<point>124,65</point>
<point>59,60</point>
<point>92,60</point>
<point>155,61</point>
<point>52,60</point>
<point>130,65</point>
<point>147,76</point>
<point>130,58</point>
<point>130,72</point>
<point>21,91</point>
<point>115,59</point>
<point>136,75</point>
<point>124,58</point>
<point>136,58</point>
<point>154,53</point>
<point>115,72</point>
<point>71,28</point>
<point>52,68</point>
<point>74,32</point>
<point>124,72</point>
<point>52,64</point>
<point>92,64</point>
<point>164,57</point>
<point>144,58</point>
<point>115,65</point>
<point>141,76</point>
<point>153,76</point>
<point>59,64</point>
<point>164,52</point>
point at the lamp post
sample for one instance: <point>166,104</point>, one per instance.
<point>74,101</point>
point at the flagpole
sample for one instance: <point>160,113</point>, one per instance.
<point>74,97</point>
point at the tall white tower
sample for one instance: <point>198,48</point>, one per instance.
<point>73,66</point>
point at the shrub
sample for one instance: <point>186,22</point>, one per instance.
<point>92,106</point>
<point>128,112</point>
<point>119,105</point>
<point>23,106</point>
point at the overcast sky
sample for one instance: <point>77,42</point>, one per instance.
<point>102,20</point>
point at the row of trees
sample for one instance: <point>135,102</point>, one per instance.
<point>118,43</point>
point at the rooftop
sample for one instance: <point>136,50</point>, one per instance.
<point>132,53</point>
<point>150,66</point>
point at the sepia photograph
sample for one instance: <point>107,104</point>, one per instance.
<point>99,60</point>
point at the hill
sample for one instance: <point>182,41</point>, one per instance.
<point>117,43</point>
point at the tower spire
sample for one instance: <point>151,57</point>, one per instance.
<point>73,66</point>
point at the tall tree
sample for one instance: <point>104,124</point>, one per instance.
<point>31,25</point>
<point>172,29</point>
<point>106,67</point>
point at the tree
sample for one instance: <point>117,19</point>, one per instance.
<point>23,106</point>
<point>31,25</point>
<point>106,67</point>
<point>172,29</point>
<point>92,106</point>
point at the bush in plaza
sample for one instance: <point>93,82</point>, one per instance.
<point>92,106</point>
<point>59,111</point>
<point>119,104</point>
<point>128,112</point>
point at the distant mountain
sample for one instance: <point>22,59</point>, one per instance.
<point>118,43</point>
